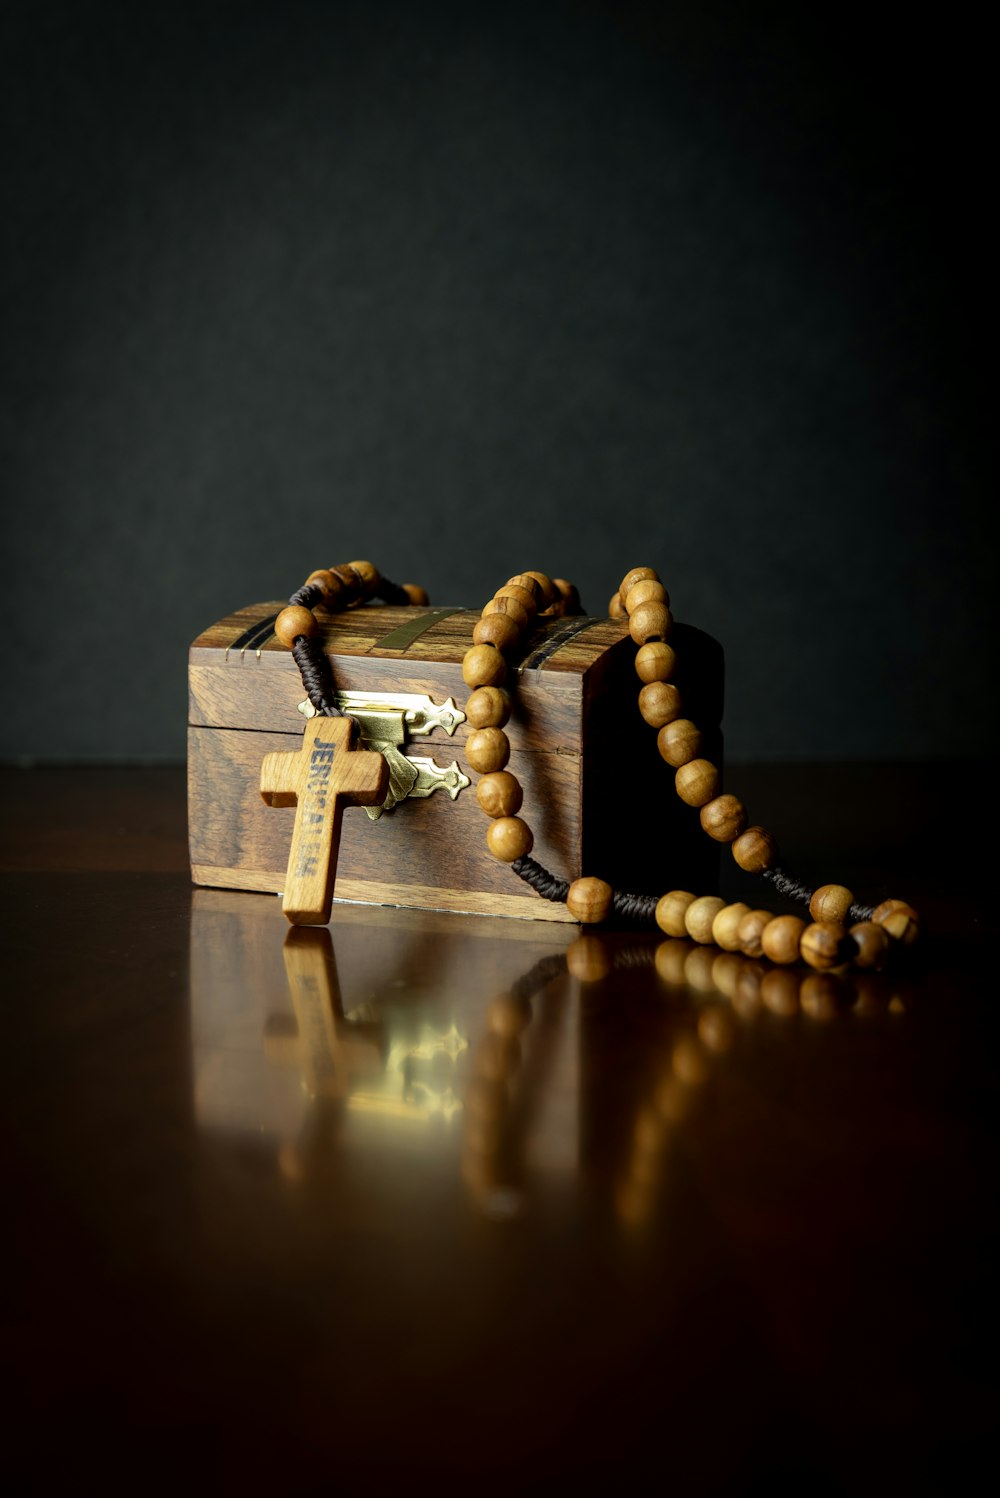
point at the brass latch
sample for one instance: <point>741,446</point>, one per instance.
<point>385,720</point>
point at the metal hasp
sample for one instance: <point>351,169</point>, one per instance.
<point>385,721</point>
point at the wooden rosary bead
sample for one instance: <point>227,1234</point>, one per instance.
<point>779,992</point>
<point>780,938</point>
<point>699,966</point>
<point>726,971</point>
<point>487,749</point>
<point>659,703</point>
<point>647,591</point>
<point>750,930</point>
<point>616,609</point>
<point>724,818</point>
<point>416,594</point>
<point>636,575</point>
<point>368,577</point>
<point>822,944</point>
<point>870,944</point>
<point>498,630</point>
<point>755,850</point>
<point>488,707</point>
<point>655,661</point>
<point>499,794</point>
<point>524,596</point>
<point>831,902</point>
<point>588,959</point>
<point>530,584</point>
<point>511,607</point>
<point>483,666</point>
<point>726,926</point>
<point>547,588</point>
<point>292,622</point>
<point>679,742</point>
<point>326,580</point>
<point>700,915</point>
<point>569,596</point>
<point>671,910</point>
<point>509,838</point>
<point>651,621</point>
<point>350,585</point>
<point>821,996</point>
<point>589,900</point>
<point>697,782</point>
<point>899,920</point>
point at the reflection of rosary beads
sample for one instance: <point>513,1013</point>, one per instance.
<point>642,598</point>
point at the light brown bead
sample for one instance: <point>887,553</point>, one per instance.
<point>724,818</point>
<point>510,606</point>
<point>822,945</point>
<point>750,930</point>
<point>483,666</point>
<point>646,591</point>
<point>671,909</point>
<point>871,944</point>
<point>616,609</point>
<point>636,575</point>
<point>830,902</point>
<point>655,661</point>
<point>726,925</point>
<point>669,959</point>
<point>568,596</point>
<point>589,900</point>
<point>699,965</point>
<point>779,992</point>
<point>650,621</point>
<point>697,782</point>
<point>498,630</point>
<point>659,703</point>
<point>326,580</point>
<point>368,577</point>
<point>755,850</point>
<point>547,587</point>
<point>699,916</point>
<point>530,584</point>
<point>679,742</point>
<point>588,959</point>
<point>821,995</point>
<point>746,999</point>
<point>524,596</point>
<point>780,938</point>
<point>899,920</point>
<point>499,794</point>
<point>487,749</point>
<point>488,707</point>
<point>293,622</point>
<point>351,590</point>
<point>726,971</point>
<point>509,838</point>
<point>416,594</point>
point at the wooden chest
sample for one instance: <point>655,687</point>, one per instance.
<point>596,795</point>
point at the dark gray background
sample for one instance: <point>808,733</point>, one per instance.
<point>468,289</point>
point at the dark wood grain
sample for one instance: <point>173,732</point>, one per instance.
<point>252,1240</point>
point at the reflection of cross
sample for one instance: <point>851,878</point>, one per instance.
<point>318,780</point>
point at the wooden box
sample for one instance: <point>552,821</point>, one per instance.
<point>596,795</point>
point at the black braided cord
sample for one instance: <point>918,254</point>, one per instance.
<point>544,883</point>
<point>793,889</point>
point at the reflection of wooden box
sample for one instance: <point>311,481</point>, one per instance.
<point>596,794</point>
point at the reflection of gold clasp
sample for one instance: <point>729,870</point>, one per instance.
<point>384,720</point>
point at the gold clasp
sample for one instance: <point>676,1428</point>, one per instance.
<point>384,720</point>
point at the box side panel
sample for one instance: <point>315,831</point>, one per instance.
<point>430,852</point>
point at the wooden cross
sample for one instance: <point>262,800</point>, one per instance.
<point>319,779</point>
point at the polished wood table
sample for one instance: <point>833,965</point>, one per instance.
<point>293,1209</point>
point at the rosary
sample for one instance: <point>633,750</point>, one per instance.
<point>840,931</point>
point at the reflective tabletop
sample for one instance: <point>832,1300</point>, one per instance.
<point>422,1198</point>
